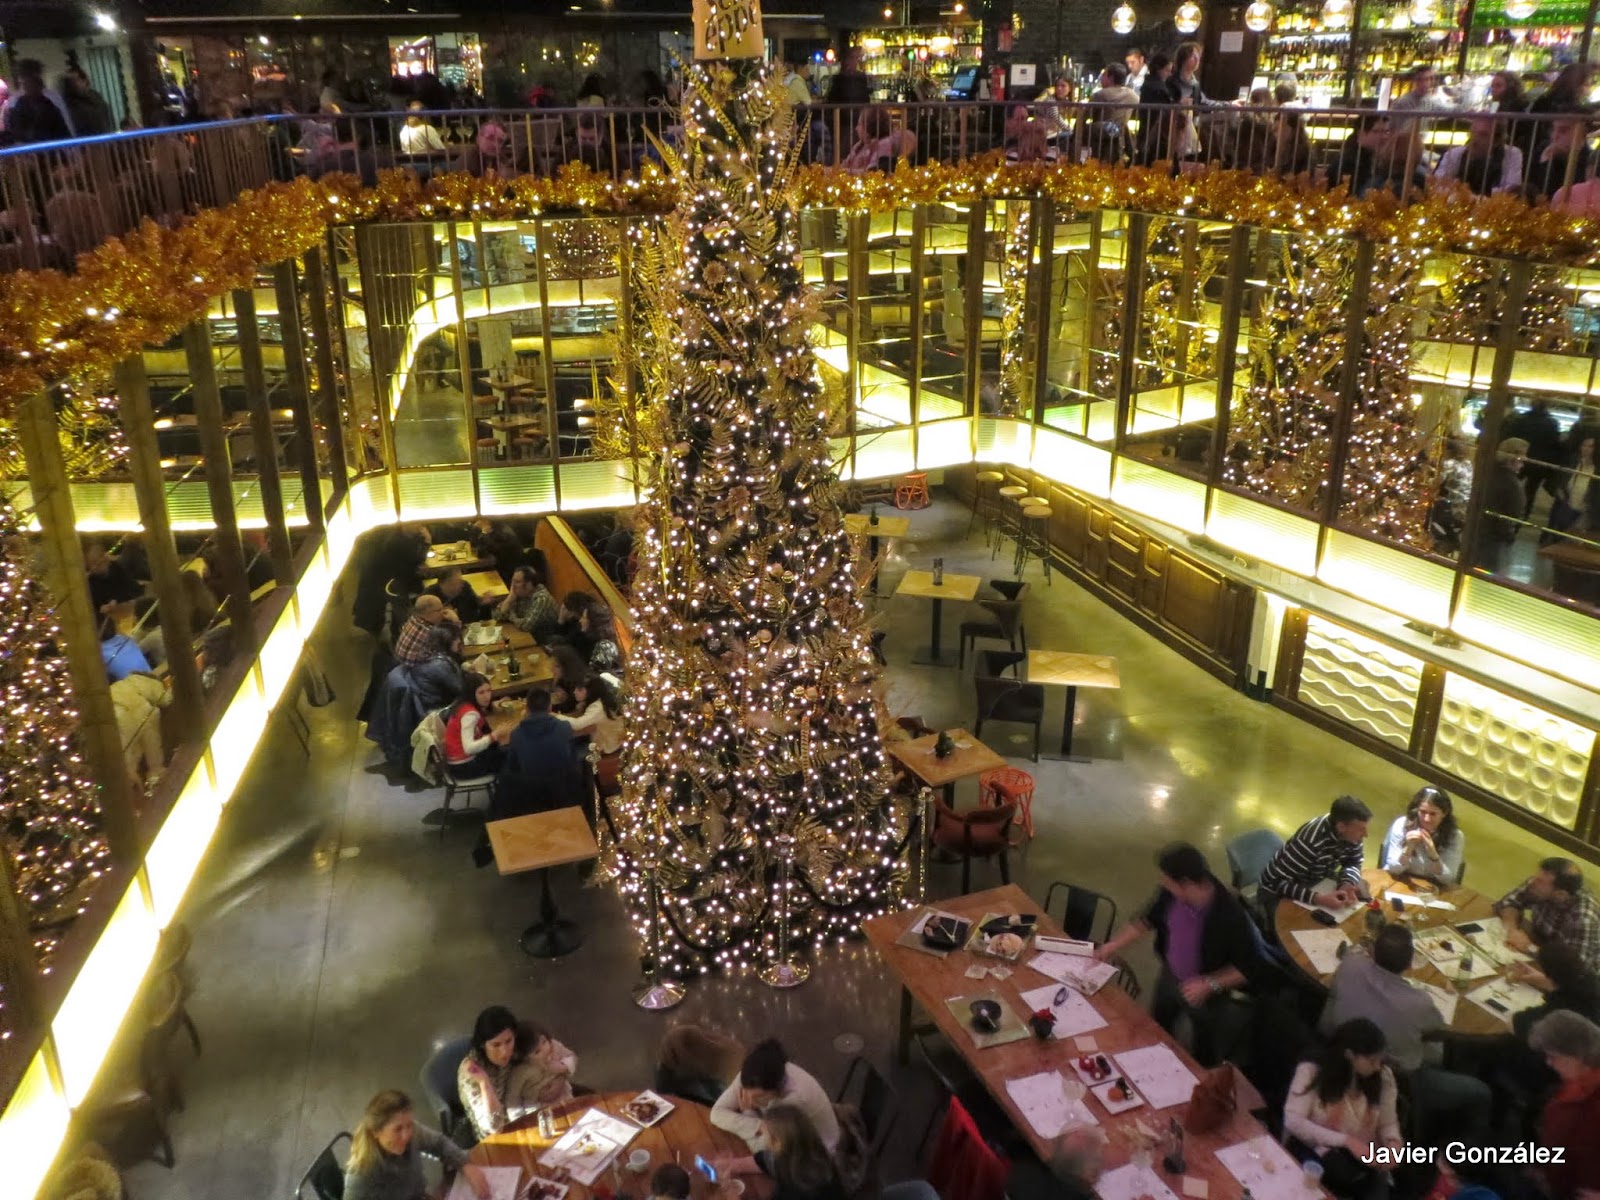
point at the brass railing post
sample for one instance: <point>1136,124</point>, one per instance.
<point>294,367</point>
<point>264,436</point>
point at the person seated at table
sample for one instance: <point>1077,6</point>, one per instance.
<point>413,643</point>
<point>1208,947</point>
<point>570,628</point>
<point>386,1154</point>
<point>670,1182</point>
<point>1571,1118</point>
<point>766,1078</point>
<point>110,582</point>
<point>457,595</point>
<point>1518,1074</point>
<point>513,1068</point>
<point>471,747</point>
<point>1553,905</point>
<point>1426,842</point>
<point>529,607</point>
<point>412,690</point>
<point>1341,1104</point>
<point>1324,848</point>
<point>1373,986</point>
<point>596,714</point>
<point>800,1163</point>
<point>539,772</point>
<point>498,541</point>
<point>696,1063</point>
<point>1075,1166</point>
<point>599,627</point>
<point>571,669</point>
<point>120,653</point>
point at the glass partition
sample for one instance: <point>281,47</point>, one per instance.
<point>1086,304</point>
<point>944,319</point>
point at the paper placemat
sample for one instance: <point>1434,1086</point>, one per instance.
<point>1445,947</point>
<point>1321,947</point>
<point>1045,1105</point>
<point>1157,1074</point>
<point>1074,1015</point>
<point>1505,997</point>
<point>1012,1027</point>
<point>1132,1182</point>
<point>1088,975</point>
<point>912,937</point>
<point>1443,999</point>
<point>1266,1168</point>
<point>503,1184</point>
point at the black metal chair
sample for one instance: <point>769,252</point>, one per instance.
<point>956,1081</point>
<point>1011,591</point>
<point>875,1100</point>
<point>439,1083</point>
<point>995,663</point>
<point>1248,856</point>
<point>1009,700</point>
<point>325,1175</point>
<point>1082,910</point>
<point>1006,627</point>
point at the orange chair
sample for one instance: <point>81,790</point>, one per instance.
<point>911,491</point>
<point>1008,785</point>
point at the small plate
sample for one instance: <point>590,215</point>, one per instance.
<point>1102,1093</point>
<point>540,1188</point>
<point>1089,1079</point>
<point>662,1105</point>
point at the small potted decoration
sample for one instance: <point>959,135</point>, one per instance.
<point>945,746</point>
<point>872,516</point>
<point>1043,1024</point>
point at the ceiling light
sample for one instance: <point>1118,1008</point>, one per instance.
<point>1123,19</point>
<point>1258,17</point>
<point>1187,18</point>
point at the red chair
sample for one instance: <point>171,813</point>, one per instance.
<point>911,491</point>
<point>963,1166</point>
<point>981,833</point>
<point>1008,785</point>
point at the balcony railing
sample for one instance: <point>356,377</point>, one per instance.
<point>61,199</point>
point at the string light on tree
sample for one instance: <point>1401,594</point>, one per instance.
<point>752,711</point>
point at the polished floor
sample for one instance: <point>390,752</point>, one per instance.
<point>337,937</point>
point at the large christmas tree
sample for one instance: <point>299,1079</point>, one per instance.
<point>755,787</point>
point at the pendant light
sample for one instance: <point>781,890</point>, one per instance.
<point>1521,10</point>
<point>1423,12</point>
<point>1258,17</point>
<point>1124,18</point>
<point>1188,16</point>
<point>1336,14</point>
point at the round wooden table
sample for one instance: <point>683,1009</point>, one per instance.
<point>1470,1020</point>
<point>685,1132</point>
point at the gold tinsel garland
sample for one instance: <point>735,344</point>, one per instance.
<point>142,288</point>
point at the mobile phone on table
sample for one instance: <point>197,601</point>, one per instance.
<point>1323,917</point>
<point>705,1168</point>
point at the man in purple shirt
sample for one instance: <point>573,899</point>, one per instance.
<point>1208,948</point>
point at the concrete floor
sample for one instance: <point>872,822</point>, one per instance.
<point>337,938</point>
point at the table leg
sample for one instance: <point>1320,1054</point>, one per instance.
<point>903,1041</point>
<point>552,935</point>
<point>1067,720</point>
<point>873,546</point>
<point>933,656</point>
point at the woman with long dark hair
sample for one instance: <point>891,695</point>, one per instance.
<point>513,1068</point>
<point>597,714</point>
<point>471,748</point>
<point>386,1154</point>
<point>1426,842</point>
<point>1341,1104</point>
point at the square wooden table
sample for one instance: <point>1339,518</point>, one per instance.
<point>928,981</point>
<point>444,556</point>
<point>860,525</point>
<point>539,842</point>
<point>537,669</point>
<point>1062,668</point>
<point>954,587</point>
<point>917,756</point>
<point>506,427</point>
<point>509,384</point>
<point>485,584</point>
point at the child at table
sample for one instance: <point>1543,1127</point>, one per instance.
<point>670,1182</point>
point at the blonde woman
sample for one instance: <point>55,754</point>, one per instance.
<point>386,1154</point>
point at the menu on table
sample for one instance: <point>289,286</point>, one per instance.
<point>1266,1168</point>
<point>1506,997</point>
<point>1044,1102</point>
<point>504,1183</point>
<point>1158,1074</point>
<point>1088,975</point>
<point>588,1147</point>
<point>1445,948</point>
<point>1074,1014</point>
<point>1321,948</point>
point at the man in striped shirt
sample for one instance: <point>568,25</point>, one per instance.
<point>1323,848</point>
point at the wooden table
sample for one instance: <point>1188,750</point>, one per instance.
<point>537,669</point>
<point>1471,1020</point>
<point>1061,668</point>
<point>928,981</point>
<point>505,426</point>
<point>917,756</point>
<point>485,584</point>
<point>860,525</point>
<point>685,1132</point>
<point>447,555</point>
<point>509,384</point>
<point>954,587</point>
<point>539,842</point>
<point>1576,567</point>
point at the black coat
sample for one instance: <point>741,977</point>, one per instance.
<point>540,770</point>
<point>408,694</point>
<point>1228,938</point>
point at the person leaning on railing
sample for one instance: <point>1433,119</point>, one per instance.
<point>1103,131</point>
<point>1486,162</point>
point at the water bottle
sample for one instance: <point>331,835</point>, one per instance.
<point>1464,971</point>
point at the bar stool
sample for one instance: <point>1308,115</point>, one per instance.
<point>1008,785</point>
<point>911,490</point>
<point>1034,539</point>
<point>983,500</point>
<point>1010,522</point>
<point>486,449</point>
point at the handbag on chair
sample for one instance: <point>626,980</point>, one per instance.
<point>1213,1102</point>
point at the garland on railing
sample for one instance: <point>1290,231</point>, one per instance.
<point>141,289</point>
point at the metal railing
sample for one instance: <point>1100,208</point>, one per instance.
<point>61,199</point>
